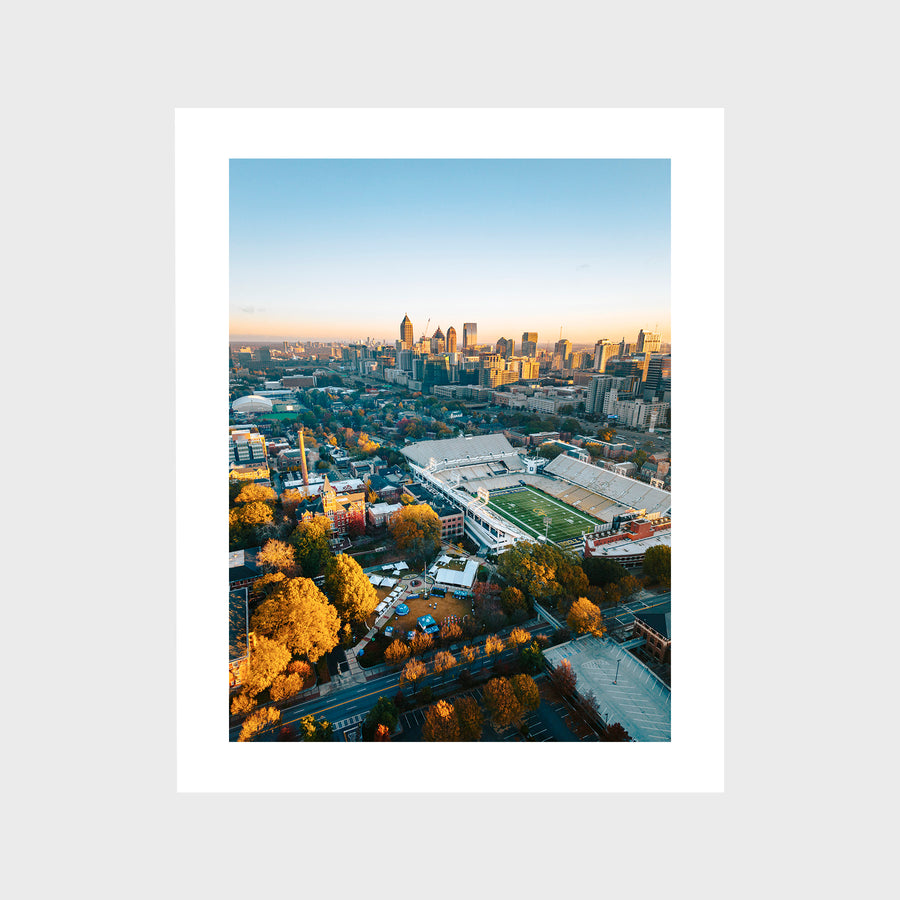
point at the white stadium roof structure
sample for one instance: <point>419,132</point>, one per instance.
<point>624,490</point>
<point>252,403</point>
<point>459,451</point>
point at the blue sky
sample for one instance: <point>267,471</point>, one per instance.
<point>342,249</point>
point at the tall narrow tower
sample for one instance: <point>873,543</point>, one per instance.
<point>451,340</point>
<point>406,332</point>
<point>302,448</point>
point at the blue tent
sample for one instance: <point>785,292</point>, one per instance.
<point>425,621</point>
<point>402,609</point>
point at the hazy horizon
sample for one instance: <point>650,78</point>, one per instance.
<point>341,250</point>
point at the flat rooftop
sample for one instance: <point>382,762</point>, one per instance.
<point>639,701</point>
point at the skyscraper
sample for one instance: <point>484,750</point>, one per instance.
<point>470,335</point>
<point>648,341</point>
<point>529,343</point>
<point>451,340</point>
<point>603,352</point>
<point>438,343</point>
<point>406,332</point>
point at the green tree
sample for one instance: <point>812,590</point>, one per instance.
<point>267,659</point>
<point>298,615</point>
<point>310,538</point>
<point>441,723</point>
<point>384,712</point>
<point>417,531</point>
<point>313,729</point>
<point>585,617</point>
<point>470,718</point>
<point>531,658</point>
<point>349,589</point>
<point>602,572</point>
<point>258,721</point>
<point>658,564</point>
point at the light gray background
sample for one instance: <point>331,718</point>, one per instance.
<point>88,197</point>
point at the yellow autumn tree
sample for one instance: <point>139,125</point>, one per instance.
<point>417,531</point>
<point>504,706</point>
<point>349,589</point>
<point>268,658</point>
<point>298,615</point>
<point>470,718</point>
<point>444,660</point>
<point>585,618</point>
<point>258,721</point>
<point>253,493</point>
<point>441,723</point>
<point>396,653</point>
<point>518,636</point>
<point>526,690</point>
<point>276,555</point>
<point>413,672</point>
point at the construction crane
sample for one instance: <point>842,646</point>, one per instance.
<point>425,333</point>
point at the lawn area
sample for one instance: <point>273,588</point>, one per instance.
<point>446,606</point>
<point>527,508</point>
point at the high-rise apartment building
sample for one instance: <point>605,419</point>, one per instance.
<point>529,343</point>
<point>470,335</point>
<point>603,352</point>
<point>451,340</point>
<point>406,332</point>
<point>506,347</point>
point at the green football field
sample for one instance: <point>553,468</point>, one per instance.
<point>527,508</point>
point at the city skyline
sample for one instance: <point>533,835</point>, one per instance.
<point>341,250</point>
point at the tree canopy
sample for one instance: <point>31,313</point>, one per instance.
<point>526,690</point>
<point>504,706</point>
<point>298,615</point>
<point>254,493</point>
<point>348,588</point>
<point>417,530</point>
<point>267,659</point>
<point>310,538</point>
<point>658,563</point>
<point>601,571</point>
<point>470,718</point>
<point>258,721</point>
<point>276,555</point>
<point>585,617</point>
<point>441,723</point>
<point>313,729</point>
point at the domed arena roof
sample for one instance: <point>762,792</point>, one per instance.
<point>252,403</point>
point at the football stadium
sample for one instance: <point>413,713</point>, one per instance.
<point>506,500</point>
